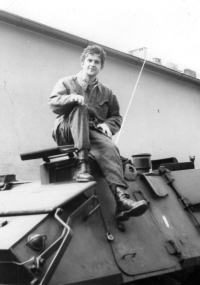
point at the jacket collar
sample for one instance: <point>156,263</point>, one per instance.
<point>84,83</point>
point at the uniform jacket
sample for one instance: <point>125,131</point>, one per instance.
<point>102,103</point>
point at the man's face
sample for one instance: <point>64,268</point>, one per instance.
<point>91,65</point>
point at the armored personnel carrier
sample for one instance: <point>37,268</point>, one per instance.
<point>57,231</point>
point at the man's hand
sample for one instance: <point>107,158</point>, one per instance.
<point>105,129</point>
<point>77,98</point>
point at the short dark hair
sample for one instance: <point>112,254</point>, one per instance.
<point>95,49</point>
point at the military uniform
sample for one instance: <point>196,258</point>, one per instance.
<point>77,124</point>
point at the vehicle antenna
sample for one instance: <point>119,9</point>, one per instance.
<point>145,57</point>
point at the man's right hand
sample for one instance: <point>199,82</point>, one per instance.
<point>77,98</point>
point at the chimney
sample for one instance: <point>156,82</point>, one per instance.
<point>190,72</point>
<point>140,52</point>
<point>172,65</point>
<point>157,60</point>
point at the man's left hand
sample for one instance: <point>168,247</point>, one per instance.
<point>105,129</point>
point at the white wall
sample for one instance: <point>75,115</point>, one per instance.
<point>163,119</point>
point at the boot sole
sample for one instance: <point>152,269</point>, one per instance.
<point>134,212</point>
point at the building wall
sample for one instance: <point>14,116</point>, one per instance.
<point>163,120</point>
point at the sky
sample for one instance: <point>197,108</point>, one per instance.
<point>169,29</point>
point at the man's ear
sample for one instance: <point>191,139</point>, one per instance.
<point>82,63</point>
<point>102,66</point>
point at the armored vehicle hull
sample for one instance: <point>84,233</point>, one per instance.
<point>58,231</point>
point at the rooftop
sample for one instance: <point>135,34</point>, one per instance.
<point>132,58</point>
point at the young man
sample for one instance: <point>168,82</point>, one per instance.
<point>88,117</point>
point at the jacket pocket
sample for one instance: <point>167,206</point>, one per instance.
<point>103,108</point>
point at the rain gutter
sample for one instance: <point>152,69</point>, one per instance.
<point>66,37</point>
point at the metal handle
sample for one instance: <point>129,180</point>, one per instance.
<point>63,241</point>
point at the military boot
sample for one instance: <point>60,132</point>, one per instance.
<point>83,173</point>
<point>127,208</point>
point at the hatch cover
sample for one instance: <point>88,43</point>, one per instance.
<point>188,184</point>
<point>140,248</point>
<point>34,198</point>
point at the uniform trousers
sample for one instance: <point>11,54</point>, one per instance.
<point>77,129</point>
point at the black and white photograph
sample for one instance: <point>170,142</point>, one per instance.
<point>100,142</point>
